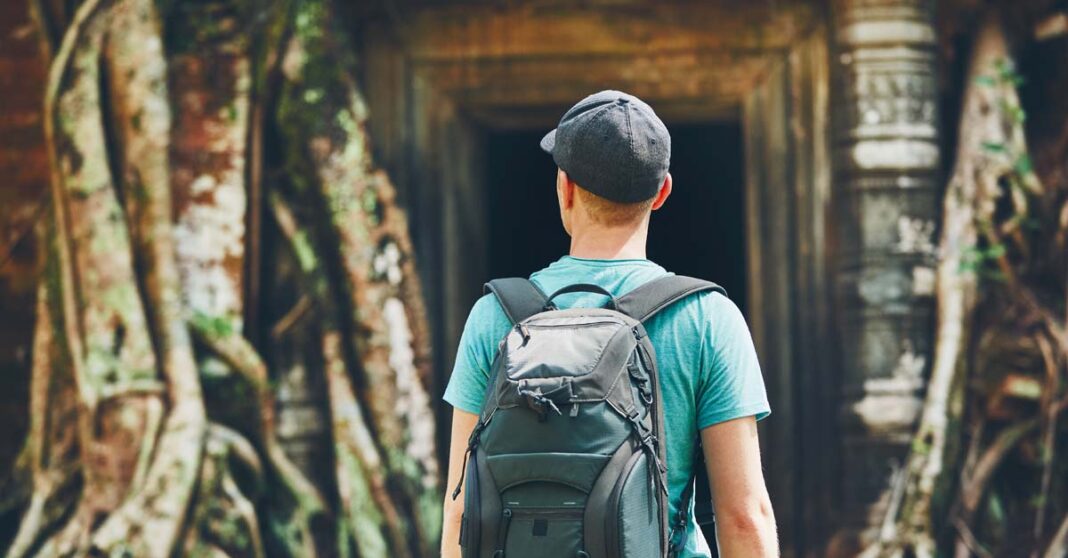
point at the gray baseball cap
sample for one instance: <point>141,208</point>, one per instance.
<point>613,145</point>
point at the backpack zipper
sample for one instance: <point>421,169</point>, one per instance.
<point>573,326</point>
<point>548,513</point>
<point>502,533</point>
<point>663,494</point>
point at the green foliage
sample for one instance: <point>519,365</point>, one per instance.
<point>1006,73</point>
<point>1023,164</point>
<point>981,259</point>
<point>976,259</point>
<point>1015,112</point>
<point>213,326</point>
<point>994,147</point>
<point>304,251</point>
<point>921,445</point>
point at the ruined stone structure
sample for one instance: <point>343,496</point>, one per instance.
<point>887,170</point>
<point>836,103</point>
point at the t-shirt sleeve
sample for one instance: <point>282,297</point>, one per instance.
<point>486,324</point>
<point>732,385</point>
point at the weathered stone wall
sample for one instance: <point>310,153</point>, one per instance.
<point>23,191</point>
<point>886,186</point>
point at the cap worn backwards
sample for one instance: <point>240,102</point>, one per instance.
<point>613,145</point>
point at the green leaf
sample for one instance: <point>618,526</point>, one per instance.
<point>312,96</point>
<point>996,508</point>
<point>214,326</point>
<point>1007,73</point>
<point>1018,114</point>
<point>970,257</point>
<point>994,251</point>
<point>986,81</point>
<point>1023,164</point>
<point>994,147</point>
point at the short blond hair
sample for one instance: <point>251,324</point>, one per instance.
<point>611,213</point>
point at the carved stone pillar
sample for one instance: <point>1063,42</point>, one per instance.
<point>886,190</point>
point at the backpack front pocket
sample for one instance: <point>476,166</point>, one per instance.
<point>543,500</point>
<point>540,532</point>
<point>471,525</point>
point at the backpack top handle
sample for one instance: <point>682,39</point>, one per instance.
<point>581,288</point>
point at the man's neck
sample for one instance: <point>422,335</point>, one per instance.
<point>599,243</point>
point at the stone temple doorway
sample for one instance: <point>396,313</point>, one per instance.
<point>459,94</point>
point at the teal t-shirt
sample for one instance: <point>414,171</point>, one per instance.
<point>708,367</point>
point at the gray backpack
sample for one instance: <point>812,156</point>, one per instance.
<point>566,459</point>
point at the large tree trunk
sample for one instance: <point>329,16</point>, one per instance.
<point>1001,281</point>
<point>155,258</point>
<point>969,199</point>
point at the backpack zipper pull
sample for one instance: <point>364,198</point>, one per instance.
<point>463,472</point>
<point>574,410</point>
<point>472,443</point>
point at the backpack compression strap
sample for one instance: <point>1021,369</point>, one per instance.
<point>645,301</point>
<point>519,297</point>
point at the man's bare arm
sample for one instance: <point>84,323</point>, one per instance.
<point>462,425</point>
<point>745,522</point>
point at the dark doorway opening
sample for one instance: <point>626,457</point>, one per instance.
<point>700,231</point>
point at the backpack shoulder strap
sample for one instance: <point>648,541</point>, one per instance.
<point>645,301</point>
<point>519,297</point>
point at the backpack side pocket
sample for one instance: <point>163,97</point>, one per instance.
<point>470,528</point>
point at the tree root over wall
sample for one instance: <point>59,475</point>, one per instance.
<point>154,260</point>
<point>1002,284</point>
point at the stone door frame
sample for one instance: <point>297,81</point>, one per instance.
<point>429,119</point>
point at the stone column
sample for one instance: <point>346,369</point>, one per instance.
<point>886,201</point>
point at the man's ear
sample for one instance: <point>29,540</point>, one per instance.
<point>565,189</point>
<point>663,193</point>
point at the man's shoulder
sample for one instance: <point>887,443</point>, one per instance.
<point>486,311</point>
<point>710,316</point>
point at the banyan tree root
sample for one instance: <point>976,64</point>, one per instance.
<point>993,169</point>
<point>151,518</point>
<point>364,238</point>
<point>969,200</point>
<point>102,344</point>
<point>123,456</point>
<point>306,504</point>
<point>117,367</point>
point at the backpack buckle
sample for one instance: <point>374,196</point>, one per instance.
<point>644,389</point>
<point>538,402</point>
